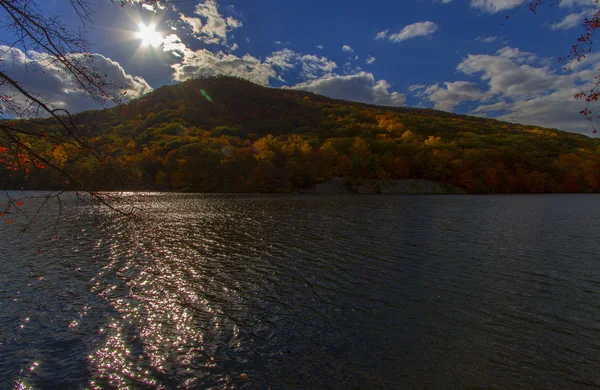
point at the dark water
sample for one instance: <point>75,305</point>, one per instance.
<point>307,291</point>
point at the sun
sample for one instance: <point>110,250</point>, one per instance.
<point>149,35</point>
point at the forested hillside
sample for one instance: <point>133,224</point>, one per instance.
<point>225,134</point>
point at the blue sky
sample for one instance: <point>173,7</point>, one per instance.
<point>453,55</point>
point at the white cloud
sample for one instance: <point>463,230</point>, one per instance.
<point>173,44</point>
<point>151,7</point>
<point>216,26</point>
<point>195,23</point>
<point>284,59</point>
<point>370,60</point>
<point>347,49</point>
<point>578,3</point>
<point>320,47</point>
<point>360,87</point>
<point>46,79</point>
<point>487,39</point>
<point>516,54</point>
<point>573,20</point>
<point>518,87</point>
<point>555,110</point>
<point>210,26</point>
<point>494,6</point>
<point>416,87</point>
<point>148,7</point>
<point>317,71</point>
<point>453,93</point>
<point>206,63</point>
<point>512,73</point>
<point>382,34</point>
<point>233,23</point>
<point>569,21</point>
<point>420,29</point>
<point>312,66</point>
<point>315,66</point>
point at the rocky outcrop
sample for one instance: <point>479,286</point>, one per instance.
<point>340,185</point>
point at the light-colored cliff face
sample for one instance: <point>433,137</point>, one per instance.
<point>339,185</point>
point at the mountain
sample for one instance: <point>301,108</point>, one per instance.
<point>225,134</point>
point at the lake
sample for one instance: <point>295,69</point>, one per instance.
<point>305,291</point>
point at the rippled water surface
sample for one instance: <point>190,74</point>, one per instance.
<point>306,291</point>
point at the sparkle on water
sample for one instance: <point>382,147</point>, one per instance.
<point>256,291</point>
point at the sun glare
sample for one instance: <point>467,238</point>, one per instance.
<point>149,36</point>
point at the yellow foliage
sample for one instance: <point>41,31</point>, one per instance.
<point>295,145</point>
<point>328,148</point>
<point>265,148</point>
<point>265,156</point>
<point>131,145</point>
<point>182,163</point>
<point>433,141</point>
<point>59,155</point>
<point>569,161</point>
<point>390,124</point>
<point>408,136</point>
<point>361,146</point>
<point>265,143</point>
<point>541,132</point>
<point>590,173</point>
<point>536,131</point>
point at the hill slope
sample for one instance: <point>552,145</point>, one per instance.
<point>227,134</point>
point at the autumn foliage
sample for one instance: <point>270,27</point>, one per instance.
<point>248,138</point>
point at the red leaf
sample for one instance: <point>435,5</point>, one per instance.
<point>19,204</point>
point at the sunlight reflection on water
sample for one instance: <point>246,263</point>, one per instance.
<point>162,304</point>
<point>298,291</point>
